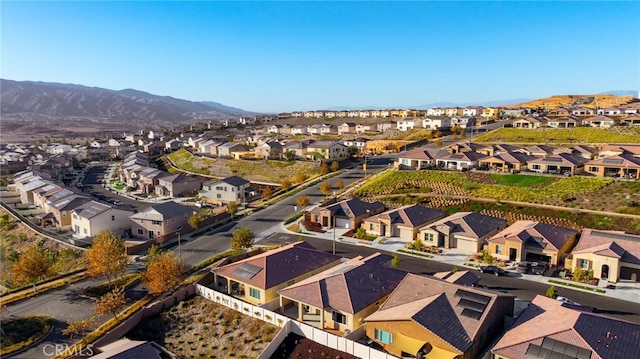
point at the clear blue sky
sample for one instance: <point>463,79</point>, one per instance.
<point>285,56</point>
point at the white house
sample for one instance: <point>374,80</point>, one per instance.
<point>298,130</point>
<point>92,217</point>
<point>405,124</point>
<point>436,122</point>
<point>435,111</point>
<point>230,189</point>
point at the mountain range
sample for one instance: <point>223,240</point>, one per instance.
<point>56,100</point>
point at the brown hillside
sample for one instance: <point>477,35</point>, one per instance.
<point>591,101</point>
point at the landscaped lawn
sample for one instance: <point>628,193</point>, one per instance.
<point>520,180</point>
<point>21,332</point>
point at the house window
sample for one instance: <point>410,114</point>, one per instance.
<point>140,231</point>
<point>338,317</point>
<point>371,226</point>
<point>428,237</point>
<point>498,249</point>
<point>76,228</point>
<point>218,195</point>
<point>75,216</point>
<point>584,264</point>
<point>156,222</point>
<point>254,293</point>
<point>85,230</point>
<point>535,167</point>
<point>593,169</point>
<point>113,218</point>
<point>384,337</point>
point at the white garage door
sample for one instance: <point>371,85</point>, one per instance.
<point>467,246</point>
<point>406,234</point>
<point>343,223</point>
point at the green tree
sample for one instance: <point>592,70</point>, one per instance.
<point>395,261</point>
<point>455,269</point>
<point>232,208</point>
<point>552,292</point>
<point>335,166</point>
<point>579,274</point>
<point>6,223</point>
<point>242,239</point>
<point>195,221</point>
<point>487,257</point>
<point>361,233</point>
<point>289,155</point>
<point>33,265</point>
<point>107,256</point>
<point>353,151</point>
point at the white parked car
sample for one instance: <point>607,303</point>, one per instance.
<point>566,300</point>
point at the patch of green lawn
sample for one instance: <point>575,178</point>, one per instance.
<point>519,180</point>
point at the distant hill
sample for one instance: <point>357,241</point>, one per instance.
<point>621,93</point>
<point>556,101</point>
<point>58,100</point>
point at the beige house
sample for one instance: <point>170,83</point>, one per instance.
<point>549,328</point>
<point>467,231</point>
<point>624,165</point>
<point>611,255</point>
<point>90,218</point>
<point>341,297</point>
<point>258,279</point>
<point>160,220</point>
<point>427,317</point>
<point>533,241</point>
<point>347,214</point>
<point>402,222</point>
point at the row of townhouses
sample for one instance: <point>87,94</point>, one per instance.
<point>612,160</point>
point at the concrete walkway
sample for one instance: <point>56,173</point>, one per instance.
<point>625,290</point>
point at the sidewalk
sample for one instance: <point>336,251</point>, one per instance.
<point>626,290</point>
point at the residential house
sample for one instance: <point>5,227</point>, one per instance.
<point>26,186</point>
<point>465,147</point>
<point>506,162</point>
<point>624,165</point>
<point>490,112</point>
<point>313,129</point>
<point>435,111</point>
<point>274,129</point>
<point>298,130</point>
<point>564,122</point>
<point>347,128</point>
<point>406,124</point>
<point>209,147</point>
<point>513,112</point>
<point>561,163</point>
<point>426,317</point>
<point>386,126</point>
<point>612,111</point>
<point>550,328</point>
<point>472,111</point>
<point>537,150</point>
<point>360,143</point>
<point>533,241</point>
<point>463,122</point>
<point>339,298</point>
<point>364,114</point>
<point>583,151</point>
<point>230,189</point>
<point>403,222</point>
<point>420,158</point>
<point>229,148</point>
<point>258,279</point>
<point>299,148</point>
<point>611,255</point>
<point>530,122</point>
<point>630,121</point>
<point>347,214</point>
<point>160,220</point>
<point>467,231</point>
<point>270,149</point>
<point>147,179</point>
<point>362,128</point>
<point>460,277</point>
<point>177,185</point>
<point>247,121</point>
<point>560,111</point>
<point>154,148</point>
<point>436,122</point>
<point>583,111</point>
<point>327,150</point>
<point>601,121</point>
<point>61,209</point>
<point>496,149</point>
<point>460,161</point>
<point>611,149</point>
<point>172,145</point>
<point>90,218</point>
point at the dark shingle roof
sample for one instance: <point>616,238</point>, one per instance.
<point>235,181</point>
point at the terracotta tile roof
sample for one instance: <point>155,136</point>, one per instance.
<point>348,287</point>
<point>424,154</point>
<point>436,306</point>
<point>535,234</point>
<point>548,318</point>
<point>279,265</point>
<point>617,244</point>
<point>621,160</point>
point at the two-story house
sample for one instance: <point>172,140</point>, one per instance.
<point>230,189</point>
<point>160,220</point>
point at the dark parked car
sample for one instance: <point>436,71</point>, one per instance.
<point>493,269</point>
<point>538,268</point>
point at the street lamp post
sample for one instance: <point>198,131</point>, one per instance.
<point>179,245</point>
<point>334,234</point>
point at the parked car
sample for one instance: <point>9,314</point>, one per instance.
<point>523,267</point>
<point>495,270</point>
<point>566,300</point>
<point>538,268</point>
<point>117,202</point>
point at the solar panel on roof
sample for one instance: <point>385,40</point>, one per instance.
<point>247,271</point>
<point>623,236</point>
<point>555,349</point>
<point>612,161</point>
<point>553,159</point>
<point>466,303</point>
<point>470,313</point>
<point>479,298</point>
